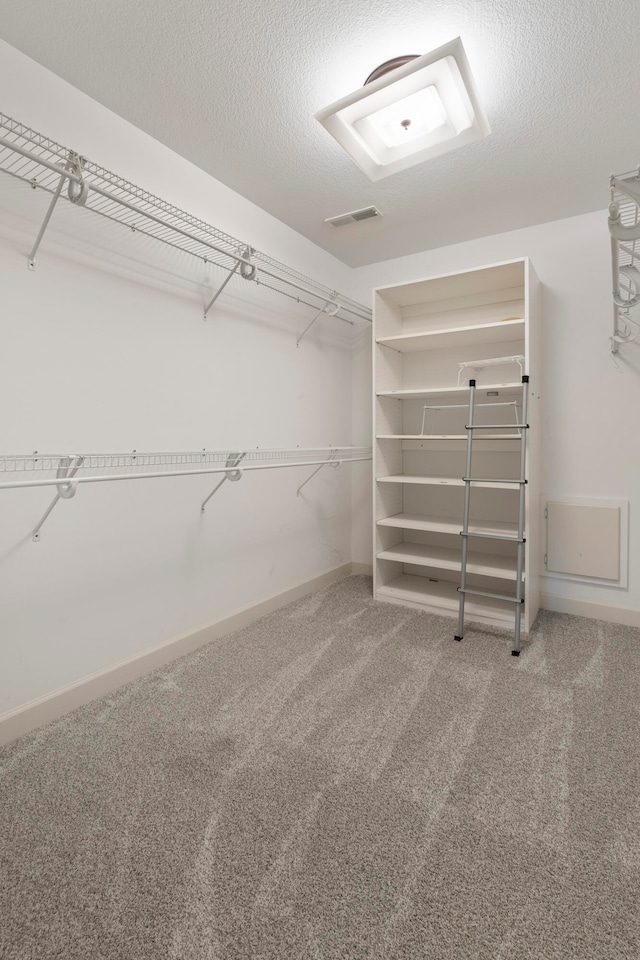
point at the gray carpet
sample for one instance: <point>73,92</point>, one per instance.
<point>339,780</point>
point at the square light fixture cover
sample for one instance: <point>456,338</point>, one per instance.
<point>418,111</point>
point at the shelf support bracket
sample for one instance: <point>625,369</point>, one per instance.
<point>332,462</point>
<point>330,307</point>
<point>247,271</point>
<point>220,289</point>
<point>77,190</point>
<point>232,473</point>
<point>31,259</point>
<point>67,469</point>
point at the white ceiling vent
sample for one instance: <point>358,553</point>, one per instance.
<point>354,216</point>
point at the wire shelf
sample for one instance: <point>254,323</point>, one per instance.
<point>624,227</point>
<point>44,469</point>
<point>629,251</point>
<point>519,360</point>
<point>39,161</point>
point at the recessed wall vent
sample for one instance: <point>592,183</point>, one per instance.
<point>354,216</point>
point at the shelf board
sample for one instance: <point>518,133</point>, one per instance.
<point>473,334</point>
<point>456,446</point>
<point>447,482</point>
<point>505,390</point>
<point>421,436</point>
<point>447,436</point>
<point>438,481</point>
<point>453,525</point>
<point>446,558</point>
<point>443,595</point>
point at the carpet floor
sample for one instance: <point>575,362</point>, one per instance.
<point>338,781</point>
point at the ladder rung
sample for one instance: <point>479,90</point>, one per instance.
<point>491,596</point>
<point>493,536</point>
<point>490,480</point>
<point>497,426</point>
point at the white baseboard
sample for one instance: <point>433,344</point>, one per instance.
<point>359,568</point>
<point>627,616</point>
<point>35,714</point>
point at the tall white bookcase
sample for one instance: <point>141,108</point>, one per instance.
<point>431,337</point>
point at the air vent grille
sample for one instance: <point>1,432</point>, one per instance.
<point>354,216</point>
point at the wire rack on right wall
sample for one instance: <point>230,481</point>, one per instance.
<point>624,228</point>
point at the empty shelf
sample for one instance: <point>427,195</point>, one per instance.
<point>417,521</point>
<point>496,332</point>
<point>421,436</point>
<point>445,558</point>
<point>448,482</point>
<point>456,446</point>
<point>446,436</point>
<point>443,595</point>
<point>505,390</point>
<point>403,478</point>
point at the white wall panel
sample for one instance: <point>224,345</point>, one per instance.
<point>588,540</point>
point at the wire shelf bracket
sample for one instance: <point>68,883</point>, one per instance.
<point>489,362</point>
<point>247,271</point>
<point>67,488</point>
<point>76,191</point>
<point>232,473</point>
<point>330,462</point>
<point>219,290</point>
<point>436,408</point>
<point>330,307</point>
<point>44,164</point>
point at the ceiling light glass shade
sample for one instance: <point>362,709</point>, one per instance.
<point>403,122</point>
<point>418,111</point>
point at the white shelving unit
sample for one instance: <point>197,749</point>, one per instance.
<point>430,337</point>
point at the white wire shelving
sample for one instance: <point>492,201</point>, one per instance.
<point>624,228</point>
<point>39,470</point>
<point>519,360</point>
<point>48,166</point>
<point>66,472</point>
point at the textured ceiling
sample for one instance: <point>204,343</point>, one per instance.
<point>234,86</point>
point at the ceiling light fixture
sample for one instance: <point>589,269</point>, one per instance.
<point>410,109</point>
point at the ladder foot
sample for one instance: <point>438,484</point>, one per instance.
<point>515,653</point>
<point>457,638</point>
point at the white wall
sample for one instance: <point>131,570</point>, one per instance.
<point>102,353</point>
<point>590,437</point>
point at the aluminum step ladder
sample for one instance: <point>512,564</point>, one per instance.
<point>466,534</point>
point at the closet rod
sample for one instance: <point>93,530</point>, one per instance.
<point>118,198</point>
